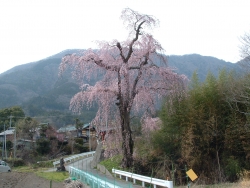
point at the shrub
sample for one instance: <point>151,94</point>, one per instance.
<point>15,162</point>
<point>233,169</point>
<point>43,146</point>
<point>67,150</point>
<point>80,148</point>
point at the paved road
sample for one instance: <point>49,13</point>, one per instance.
<point>84,165</point>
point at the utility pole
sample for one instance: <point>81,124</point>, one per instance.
<point>89,139</point>
<point>10,119</point>
<point>2,147</point>
<point>5,143</point>
<point>15,144</point>
<point>14,138</point>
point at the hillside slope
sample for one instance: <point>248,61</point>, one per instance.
<point>37,86</point>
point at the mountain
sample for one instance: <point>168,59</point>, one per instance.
<point>187,64</point>
<point>38,89</point>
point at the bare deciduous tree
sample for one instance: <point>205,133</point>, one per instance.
<point>245,50</point>
<point>245,46</point>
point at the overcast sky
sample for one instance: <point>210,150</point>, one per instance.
<point>32,30</point>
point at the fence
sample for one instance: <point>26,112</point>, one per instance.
<point>144,179</point>
<point>92,180</point>
<point>75,157</point>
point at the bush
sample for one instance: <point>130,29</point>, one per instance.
<point>80,148</point>
<point>79,141</point>
<point>9,145</point>
<point>233,169</point>
<point>67,150</point>
<point>15,162</point>
<point>43,146</point>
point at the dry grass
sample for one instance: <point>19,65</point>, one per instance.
<point>240,184</point>
<point>244,182</point>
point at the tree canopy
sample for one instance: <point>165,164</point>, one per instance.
<point>14,113</point>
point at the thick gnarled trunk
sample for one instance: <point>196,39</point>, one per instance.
<point>127,140</point>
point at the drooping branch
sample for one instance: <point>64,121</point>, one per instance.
<point>245,47</point>
<point>106,66</point>
<point>88,59</point>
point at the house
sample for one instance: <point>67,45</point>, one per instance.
<point>9,133</point>
<point>66,132</point>
<point>87,132</point>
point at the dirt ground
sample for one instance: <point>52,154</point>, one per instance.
<point>25,180</point>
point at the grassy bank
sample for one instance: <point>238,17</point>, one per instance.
<point>41,172</point>
<point>55,176</point>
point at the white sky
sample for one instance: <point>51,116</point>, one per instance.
<point>31,30</point>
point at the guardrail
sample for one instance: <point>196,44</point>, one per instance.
<point>74,158</point>
<point>90,179</point>
<point>143,179</point>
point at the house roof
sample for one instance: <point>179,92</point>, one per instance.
<point>67,129</point>
<point>7,132</point>
<point>86,125</point>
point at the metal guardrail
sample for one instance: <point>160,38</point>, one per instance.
<point>74,158</point>
<point>90,179</point>
<point>144,179</point>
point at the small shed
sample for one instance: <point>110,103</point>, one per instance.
<point>88,131</point>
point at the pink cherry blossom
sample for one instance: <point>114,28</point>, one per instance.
<point>132,75</point>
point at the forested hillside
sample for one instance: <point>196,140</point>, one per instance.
<point>38,89</point>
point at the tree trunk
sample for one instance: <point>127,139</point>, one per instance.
<point>127,140</point>
<point>218,161</point>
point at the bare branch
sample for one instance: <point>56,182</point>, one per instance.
<point>133,41</point>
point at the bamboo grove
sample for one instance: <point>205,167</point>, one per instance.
<point>207,130</point>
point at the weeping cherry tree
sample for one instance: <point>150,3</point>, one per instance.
<point>134,76</point>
